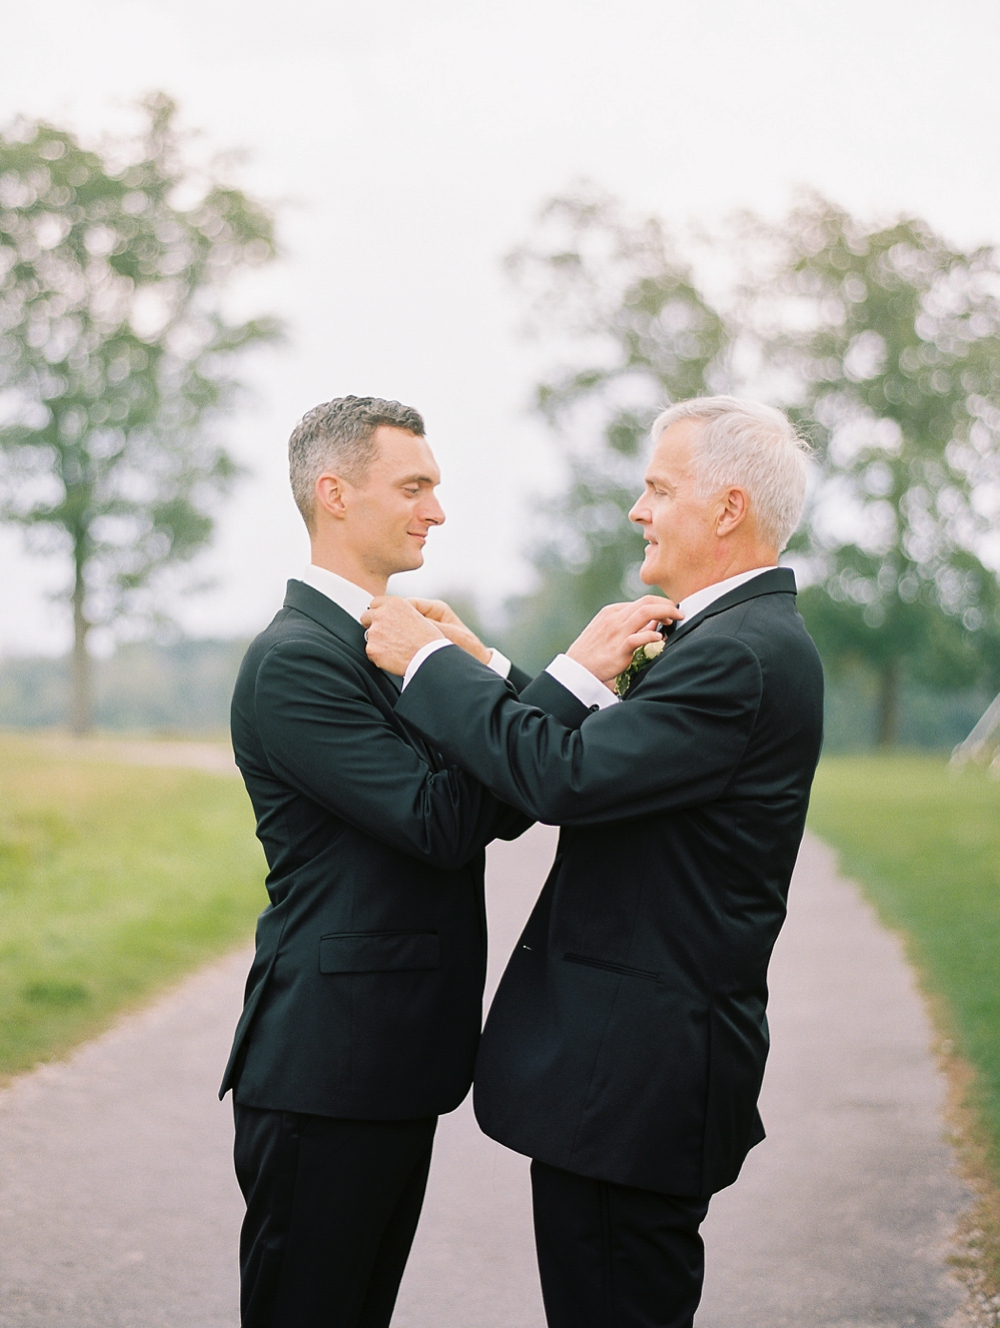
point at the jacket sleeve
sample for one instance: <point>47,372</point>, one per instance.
<point>675,743</point>
<point>518,679</point>
<point>556,700</point>
<point>323,735</point>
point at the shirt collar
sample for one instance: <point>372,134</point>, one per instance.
<point>701,599</point>
<point>351,598</point>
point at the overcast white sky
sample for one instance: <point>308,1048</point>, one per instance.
<point>414,142</point>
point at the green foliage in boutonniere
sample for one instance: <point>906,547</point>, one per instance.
<point>642,659</point>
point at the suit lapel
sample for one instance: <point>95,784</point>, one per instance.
<point>321,609</point>
<point>305,599</point>
<point>777,581</point>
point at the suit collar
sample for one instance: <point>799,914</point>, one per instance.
<point>776,581</point>
<point>701,599</point>
<point>314,604</point>
<point>351,597</point>
<point>321,609</point>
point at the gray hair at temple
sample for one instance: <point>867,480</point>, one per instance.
<point>747,445</point>
<point>339,437</point>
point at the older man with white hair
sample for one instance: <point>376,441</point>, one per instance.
<point>625,1048</point>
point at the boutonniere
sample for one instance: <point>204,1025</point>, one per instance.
<point>642,659</point>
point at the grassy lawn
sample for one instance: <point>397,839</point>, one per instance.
<point>114,879</point>
<point>925,843</point>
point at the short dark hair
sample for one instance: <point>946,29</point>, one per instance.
<point>340,435</point>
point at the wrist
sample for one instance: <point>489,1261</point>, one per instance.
<point>431,633</point>
<point>578,657</point>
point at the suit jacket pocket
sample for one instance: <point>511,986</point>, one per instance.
<point>626,969</point>
<point>379,951</point>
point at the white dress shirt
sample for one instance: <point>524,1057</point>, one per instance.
<point>354,601</point>
<point>579,680</point>
<point>591,691</point>
<point>345,594</point>
<point>701,599</point>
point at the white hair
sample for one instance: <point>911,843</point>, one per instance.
<point>747,445</point>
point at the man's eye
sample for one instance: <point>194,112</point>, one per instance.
<point>411,493</point>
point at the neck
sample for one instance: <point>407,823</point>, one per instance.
<point>734,565</point>
<point>347,564</point>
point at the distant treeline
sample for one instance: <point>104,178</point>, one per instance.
<point>185,687</point>
<point>181,687</point>
<point>929,719</point>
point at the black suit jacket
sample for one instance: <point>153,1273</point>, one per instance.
<point>628,1037</point>
<point>364,998</point>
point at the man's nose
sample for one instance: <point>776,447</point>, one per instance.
<point>433,513</point>
<point>637,514</point>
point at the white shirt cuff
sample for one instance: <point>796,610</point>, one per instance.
<point>423,653</point>
<point>581,682</point>
<point>499,664</point>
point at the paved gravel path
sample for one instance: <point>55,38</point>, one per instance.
<point>118,1208</point>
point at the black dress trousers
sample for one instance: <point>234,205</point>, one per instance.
<point>332,1206</point>
<point>611,1256</point>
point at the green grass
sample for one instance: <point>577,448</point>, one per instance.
<point>925,843</point>
<point>114,879</point>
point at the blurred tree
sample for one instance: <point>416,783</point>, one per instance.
<point>642,335</point>
<point>892,338</point>
<point>115,351</point>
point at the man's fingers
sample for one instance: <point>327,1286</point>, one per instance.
<point>651,608</point>
<point>385,605</point>
<point>435,609</point>
<point>644,615</point>
<point>651,603</point>
<point>664,610</point>
<point>643,638</point>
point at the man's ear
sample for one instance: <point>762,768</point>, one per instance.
<point>330,495</point>
<point>732,512</point>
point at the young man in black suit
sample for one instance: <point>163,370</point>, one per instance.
<point>625,1049</point>
<point>363,1005</point>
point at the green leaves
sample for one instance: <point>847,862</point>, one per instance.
<point>640,661</point>
<point>642,334</point>
<point>882,341</point>
<point>894,344</point>
<point>115,349</point>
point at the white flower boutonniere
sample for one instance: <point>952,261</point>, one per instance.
<point>641,659</point>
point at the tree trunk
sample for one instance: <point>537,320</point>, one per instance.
<point>80,692</point>
<point>888,706</point>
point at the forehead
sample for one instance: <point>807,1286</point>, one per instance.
<point>672,454</point>
<point>403,454</point>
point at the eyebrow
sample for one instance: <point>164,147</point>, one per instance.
<point>419,479</point>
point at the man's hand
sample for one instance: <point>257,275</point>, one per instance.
<point>606,645</point>
<point>450,625</point>
<point>395,631</point>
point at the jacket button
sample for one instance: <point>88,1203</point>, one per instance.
<point>594,708</point>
